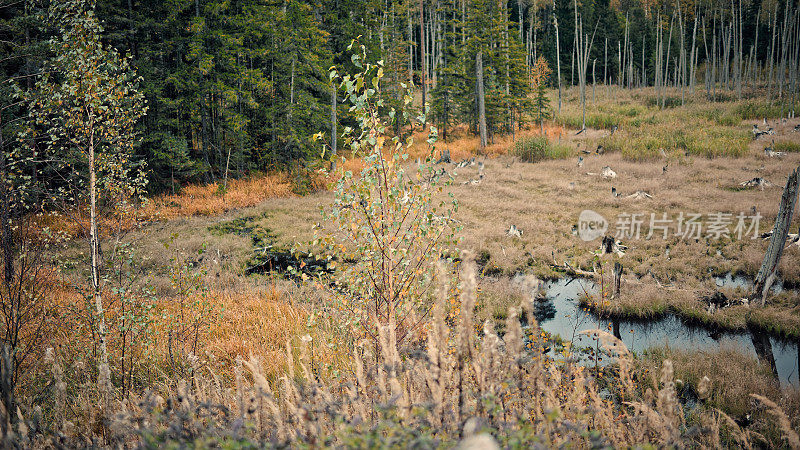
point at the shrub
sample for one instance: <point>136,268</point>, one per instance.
<point>387,223</point>
<point>539,148</point>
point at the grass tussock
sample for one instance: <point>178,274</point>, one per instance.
<point>540,148</point>
<point>787,146</point>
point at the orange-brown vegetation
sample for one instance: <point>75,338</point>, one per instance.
<point>207,200</point>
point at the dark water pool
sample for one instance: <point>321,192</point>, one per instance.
<point>559,313</point>
<point>741,282</point>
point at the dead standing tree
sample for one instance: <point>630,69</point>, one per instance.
<point>767,273</point>
<point>583,46</point>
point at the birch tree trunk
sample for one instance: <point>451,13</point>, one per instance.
<point>104,380</point>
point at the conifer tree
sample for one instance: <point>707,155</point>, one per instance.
<point>539,76</point>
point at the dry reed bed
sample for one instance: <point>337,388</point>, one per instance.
<point>193,200</point>
<point>459,386</point>
<point>208,200</point>
<point>148,339</point>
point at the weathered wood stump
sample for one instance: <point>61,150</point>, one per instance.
<point>766,274</point>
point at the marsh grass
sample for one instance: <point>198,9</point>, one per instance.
<point>208,199</point>
<point>787,146</point>
<point>698,127</point>
<point>539,148</point>
<point>458,385</point>
<point>647,143</point>
<point>734,373</point>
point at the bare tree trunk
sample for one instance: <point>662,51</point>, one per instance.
<point>582,50</point>
<point>558,59</point>
<point>410,50</point>
<point>681,69</point>
<point>572,63</point>
<point>666,65</point>
<point>766,274</point>
<point>708,59</point>
<point>481,99</point>
<point>225,177</point>
<point>784,46</point>
<point>519,14</point>
<point>644,68</point>
<point>714,63</point>
<point>620,73</point>
<point>530,45</point>
<point>291,92</point>
<point>605,66</point>
<point>334,126</point>
<point>624,54</point>
<point>422,52</point>
<point>740,55</point>
<point>726,51</point>
<point>692,57</point>
<point>503,7</point>
<point>770,89</point>
<point>751,70</point>
<point>463,21</point>
<point>94,243</point>
<point>659,60</point>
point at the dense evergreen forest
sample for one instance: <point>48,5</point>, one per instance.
<point>233,86</point>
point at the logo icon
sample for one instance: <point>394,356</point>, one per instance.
<point>591,225</point>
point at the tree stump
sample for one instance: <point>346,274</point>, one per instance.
<point>766,274</point>
<point>617,279</point>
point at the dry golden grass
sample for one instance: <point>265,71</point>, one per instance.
<point>223,325</point>
<point>193,200</point>
<point>261,323</point>
<point>462,144</point>
<point>461,382</point>
<point>206,200</point>
<point>732,373</point>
